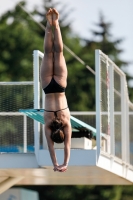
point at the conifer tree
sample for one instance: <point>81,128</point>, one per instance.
<point>103,40</point>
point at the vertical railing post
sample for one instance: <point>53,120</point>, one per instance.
<point>127,118</point>
<point>36,100</point>
<point>127,132</point>
<point>108,103</point>
<point>112,138</point>
<point>123,119</point>
<point>45,146</point>
<point>25,134</point>
<point>98,101</point>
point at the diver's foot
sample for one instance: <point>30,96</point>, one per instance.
<point>49,17</point>
<point>55,17</point>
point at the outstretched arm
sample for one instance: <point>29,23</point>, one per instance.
<point>67,147</point>
<point>67,144</point>
<point>51,147</point>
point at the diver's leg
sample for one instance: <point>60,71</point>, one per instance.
<point>46,71</point>
<point>60,70</point>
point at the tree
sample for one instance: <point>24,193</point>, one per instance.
<point>18,45</point>
<point>103,40</point>
<point>18,39</point>
<point>83,192</point>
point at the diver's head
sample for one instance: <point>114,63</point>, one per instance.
<point>57,134</point>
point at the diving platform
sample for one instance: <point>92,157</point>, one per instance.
<point>23,169</point>
<point>101,153</point>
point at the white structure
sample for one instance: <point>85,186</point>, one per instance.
<point>19,194</point>
<point>110,161</point>
<point>114,116</point>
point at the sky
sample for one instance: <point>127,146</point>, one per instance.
<point>86,13</point>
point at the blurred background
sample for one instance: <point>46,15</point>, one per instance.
<point>86,25</point>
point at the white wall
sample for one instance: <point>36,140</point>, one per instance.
<point>19,194</point>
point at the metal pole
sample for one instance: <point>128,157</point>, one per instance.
<point>123,120</point>
<point>112,140</point>
<point>98,101</point>
<point>36,100</point>
<point>25,134</point>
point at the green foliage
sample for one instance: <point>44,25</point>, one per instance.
<point>104,41</point>
<point>18,39</point>
<point>91,192</point>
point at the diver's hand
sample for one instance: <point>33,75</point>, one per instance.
<point>55,168</point>
<point>62,168</point>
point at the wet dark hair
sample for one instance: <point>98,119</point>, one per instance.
<point>57,134</point>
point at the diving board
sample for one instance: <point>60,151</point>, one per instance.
<point>37,114</point>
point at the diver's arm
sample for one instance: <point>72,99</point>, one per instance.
<point>51,146</point>
<point>67,147</point>
<point>67,144</point>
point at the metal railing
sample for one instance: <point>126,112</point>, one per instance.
<point>14,132</point>
<point>112,98</point>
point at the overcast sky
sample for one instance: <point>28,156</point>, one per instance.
<point>86,13</point>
